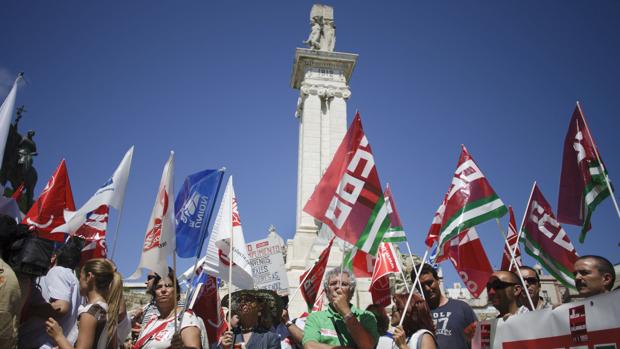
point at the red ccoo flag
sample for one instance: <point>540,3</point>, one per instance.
<point>513,243</point>
<point>48,211</point>
<point>582,184</point>
<point>470,261</point>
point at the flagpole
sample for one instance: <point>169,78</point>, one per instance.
<point>203,229</point>
<point>174,267</point>
<point>521,226</point>
<point>415,270</point>
<point>600,163</point>
<point>290,300</point>
<point>512,256</point>
<point>417,279</point>
<point>118,223</point>
<point>230,268</point>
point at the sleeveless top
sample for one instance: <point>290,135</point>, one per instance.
<point>99,311</point>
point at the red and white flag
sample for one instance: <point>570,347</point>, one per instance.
<point>546,240</point>
<point>470,201</point>
<point>93,249</point>
<point>435,229</point>
<point>312,283</point>
<point>349,199</point>
<point>470,261</point>
<point>386,264</point>
<point>227,227</point>
<point>205,302</point>
<point>111,193</point>
<point>47,212</point>
<point>514,245</point>
<point>159,240</point>
<point>362,264</point>
<point>582,184</point>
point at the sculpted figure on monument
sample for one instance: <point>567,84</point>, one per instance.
<point>323,30</point>
<point>17,162</point>
<point>315,34</point>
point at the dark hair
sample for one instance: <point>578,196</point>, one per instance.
<point>531,269</point>
<point>8,235</point>
<point>425,269</point>
<point>172,277</point>
<point>383,322</point>
<point>604,266</point>
<point>417,316</point>
<point>69,254</point>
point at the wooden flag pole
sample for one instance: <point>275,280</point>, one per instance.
<point>521,226</point>
<point>230,267</point>
<point>512,256</point>
<point>417,277</point>
<point>600,163</point>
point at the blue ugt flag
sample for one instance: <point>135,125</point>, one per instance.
<point>193,210</point>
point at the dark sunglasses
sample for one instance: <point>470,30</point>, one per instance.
<point>531,280</point>
<point>150,277</point>
<point>498,284</point>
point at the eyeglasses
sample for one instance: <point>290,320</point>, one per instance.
<point>531,280</point>
<point>150,277</point>
<point>498,284</point>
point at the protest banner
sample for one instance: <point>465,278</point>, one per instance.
<point>592,323</point>
<point>268,265</point>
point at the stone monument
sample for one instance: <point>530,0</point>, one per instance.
<point>322,77</point>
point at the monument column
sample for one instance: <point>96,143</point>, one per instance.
<point>322,78</point>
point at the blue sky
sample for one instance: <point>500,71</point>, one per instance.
<point>210,80</point>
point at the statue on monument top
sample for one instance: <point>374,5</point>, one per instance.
<point>323,29</point>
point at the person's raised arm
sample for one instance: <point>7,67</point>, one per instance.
<point>362,336</point>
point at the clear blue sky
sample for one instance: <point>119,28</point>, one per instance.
<point>210,80</point>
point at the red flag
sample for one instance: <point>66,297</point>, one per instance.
<point>470,261</point>
<point>546,240</point>
<point>205,302</point>
<point>582,182</point>
<point>385,265</point>
<point>470,201</point>
<point>48,211</point>
<point>318,304</point>
<point>311,285</point>
<point>363,264</point>
<point>435,229</point>
<point>17,194</point>
<point>93,249</point>
<point>349,199</point>
<point>513,243</point>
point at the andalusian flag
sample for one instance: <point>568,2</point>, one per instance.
<point>582,183</point>
<point>349,199</point>
<point>395,233</point>
<point>546,241</point>
<point>469,202</point>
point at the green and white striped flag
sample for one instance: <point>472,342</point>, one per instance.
<point>395,233</point>
<point>470,201</point>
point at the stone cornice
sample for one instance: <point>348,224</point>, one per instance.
<point>339,63</point>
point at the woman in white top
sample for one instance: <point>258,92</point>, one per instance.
<point>417,331</point>
<point>159,331</point>
<point>97,320</point>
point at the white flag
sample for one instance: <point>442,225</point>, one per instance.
<point>228,225</point>
<point>111,193</point>
<point>159,241</point>
<point>6,115</point>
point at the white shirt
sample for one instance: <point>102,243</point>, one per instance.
<point>162,339</point>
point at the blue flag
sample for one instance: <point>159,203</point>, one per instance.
<point>193,207</point>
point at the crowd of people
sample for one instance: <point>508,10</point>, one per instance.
<point>79,304</point>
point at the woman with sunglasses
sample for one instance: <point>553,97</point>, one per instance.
<point>417,331</point>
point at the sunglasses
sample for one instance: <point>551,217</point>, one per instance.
<point>531,280</point>
<point>150,277</point>
<point>498,284</point>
